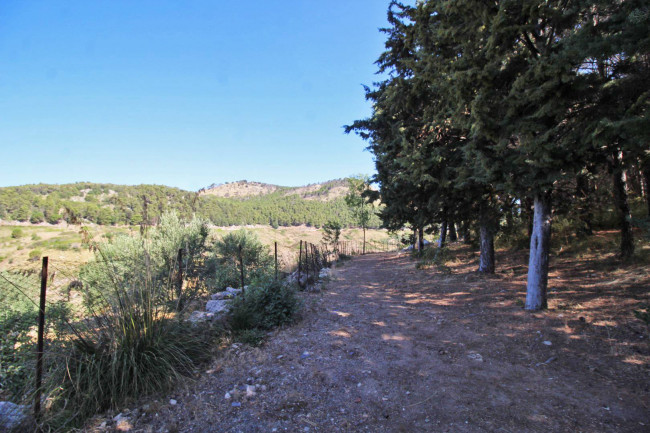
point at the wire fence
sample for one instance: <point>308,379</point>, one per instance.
<point>57,291</point>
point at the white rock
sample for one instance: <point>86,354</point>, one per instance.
<point>11,415</point>
<point>234,291</point>
<point>548,343</point>
<point>216,306</point>
<point>250,390</point>
<point>200,316</point>
<point>475,357</point>
<point>227,396</point>
<point>173,402</point>
<point>220,296</point>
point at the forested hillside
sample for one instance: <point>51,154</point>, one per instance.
<point>109,204</point>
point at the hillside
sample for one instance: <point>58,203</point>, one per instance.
<point>325,191</point>
<point>237,203</point>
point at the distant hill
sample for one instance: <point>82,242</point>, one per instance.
<point>236,203</point>
<point>325,191</point>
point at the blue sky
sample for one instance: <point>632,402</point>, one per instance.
<point>185,93</point>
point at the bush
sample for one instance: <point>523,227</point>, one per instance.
<point>16,233</point>
<point>126,258</point>
<point>258,263</point>
<point>265,307</point>
<point>35,255</point>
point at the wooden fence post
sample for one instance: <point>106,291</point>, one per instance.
<point>300,262</point>
<point>179,281</point>
<point>307,263</point>
<point>40,344</point>
<point>241,268</point>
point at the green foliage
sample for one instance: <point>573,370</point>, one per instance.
<point>331,233</point>
<point>35,255</point>
<point>433,257</point>
<point>16,233</point>
<point>360,205</point>
<point>109,204</point>
<point>253,337</point>
<point>128,348</point>
<point>255,257</point>
<point>18,323</point>
<point>264,307</point>
<point>126,258</point>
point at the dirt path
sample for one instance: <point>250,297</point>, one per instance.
<point>388,348</point>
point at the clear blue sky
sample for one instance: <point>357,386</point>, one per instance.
<point>185,93</point>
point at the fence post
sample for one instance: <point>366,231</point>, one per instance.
<point>241,268</point>
<point>179,281</point>
<point>300,262</point>
<point>307,263</point>
<point>39,348</point>
<point>276,260</point>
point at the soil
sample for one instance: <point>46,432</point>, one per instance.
<point>386,347</point>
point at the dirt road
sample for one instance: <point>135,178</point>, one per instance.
<point>388,348</point>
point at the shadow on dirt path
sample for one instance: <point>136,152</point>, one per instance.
<point>388,348</point>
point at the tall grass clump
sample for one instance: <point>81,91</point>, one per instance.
<point>129,345</point>
<point>129,348</point>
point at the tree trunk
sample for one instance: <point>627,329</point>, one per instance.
<point>537,282</point>
<point>584,208</point>
<point>646,178</point>
<point>464,230</point>
<point>486,229</point>
<point>529,212</point>
<point>443,235</point>
<point>364,240</point>
<point>620,197</point>
<point>453,237</point>
<point>415,239</point>
<point>421,239</point>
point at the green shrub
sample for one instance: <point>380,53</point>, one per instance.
<point>265,307</point>
<point>35,255</point>
<point>36,237</point>
<point>16,233</point>
<point>257,261</point>
<point>126,258</point>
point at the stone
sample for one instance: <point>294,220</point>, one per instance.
<point>234,291</point>
<point>219,296</point>
<point>547,343</point>
<point>173,402</point>
<point>475,357</point>
<point>200,316</point>
<point>11,415</point>
<point>227,396</point>
<point>216,306</point>
<point>250,390</point>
